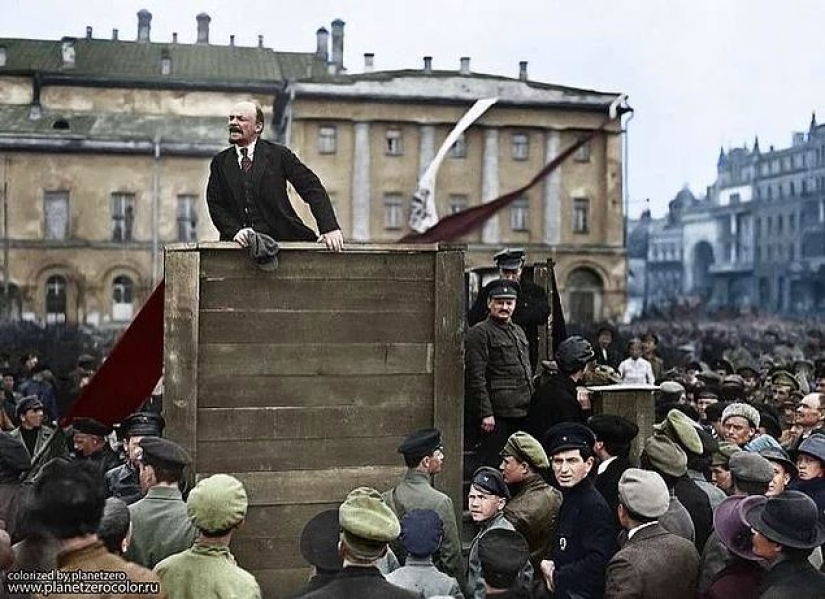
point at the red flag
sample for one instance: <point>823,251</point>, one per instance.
<point>127,377</point>
<point>461,223</point>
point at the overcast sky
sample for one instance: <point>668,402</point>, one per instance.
<point>700,73</point>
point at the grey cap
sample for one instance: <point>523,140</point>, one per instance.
<point>644,493</point>
<point>750,467</point>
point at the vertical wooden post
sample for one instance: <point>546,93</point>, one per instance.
<point>632,402</point>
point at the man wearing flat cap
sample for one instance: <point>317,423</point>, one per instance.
<point>786,529</point>
<point>32,432</point>
<point>486,500</point>
<point>532,309</point>
<point>89,440</point>
<point>653,563</point>
<point>498,374</point>
<point>614,435</point>
<point>667,459</point>
<point>585,538</point>
<point>534,506</point>
<point>122,482</point>
<point>160,520</point>
<point>217,507</point>
<point>368,525</point>
<point>503,555</point>
<point>424,457</point>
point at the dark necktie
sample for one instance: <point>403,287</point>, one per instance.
<point>246,161</point>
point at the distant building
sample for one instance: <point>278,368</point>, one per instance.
<point>755,241</point>
<point>105,145</point>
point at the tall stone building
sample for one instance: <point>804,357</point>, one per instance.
<point>105,144</point>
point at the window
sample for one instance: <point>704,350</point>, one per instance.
<point>187,218</point>
<point>735,198</point>
<point>394,143</point>
<point>793,189</point>
<point>55,300</point>
<point>457,203</point>
<point>123,216</point>
<point>521,146</point>
<point>393,211</point>
<point>581,215</point>
<point>792,222</point>
<point>583,153</point>
<point>122,299</point>
<point>780,221</point>
<point>56,215</point>
<point>519,215</point>
<point>459,148</point>
<point>327,140</point>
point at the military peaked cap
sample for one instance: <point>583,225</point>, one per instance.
<point>503,288</point>
<point>509,258</point>
<point>491,481</point>
<point>421,443</point>
<point>143,424</point>
<point>568,435</point>
<point>156,449</point>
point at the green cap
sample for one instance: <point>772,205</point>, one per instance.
<point>367,523</point>
<point>783,378</point>
<point>666,456</point>
<point>217,503</point>
<point>722,455</point>
<point>680,428</point>
<point>525,448</point>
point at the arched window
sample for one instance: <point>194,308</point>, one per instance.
<point>56,300</point>
<point>122,298</point>
<point>585,292</point>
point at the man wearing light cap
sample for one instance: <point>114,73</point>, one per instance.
<point>653,563</point>
<point>217,507</point>
<point>741,423</point>
<point>424,457</point>
<point>532,308</point>
<point>122,482</point>
<point>368,525</point>
<point>498,374</point>
<point>534,506</point>
<point>161,524</point>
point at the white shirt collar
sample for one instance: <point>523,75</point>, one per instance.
<point>603,466</point>
<point>633,531</point>
<point>250,150</point>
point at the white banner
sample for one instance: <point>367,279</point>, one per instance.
<point>423,213</point>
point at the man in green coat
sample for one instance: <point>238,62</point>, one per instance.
<point>160,524</point>
<point>217,506</point>
<point>424,457</point>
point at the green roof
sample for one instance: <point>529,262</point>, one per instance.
<point>117,59</point>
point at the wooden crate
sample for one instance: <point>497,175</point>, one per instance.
<point>303,381</point>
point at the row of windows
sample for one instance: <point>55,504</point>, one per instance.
<point>776,253</point>
<point>394,144</point>
<point>771,226</point>
<point>395,209</point>
<point>57,216</point>
<point>123,299</point>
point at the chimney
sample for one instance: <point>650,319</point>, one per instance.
<point>322,37</point>
<point>232,41</point>
<point>260,41</point>
<point>174,37</point>
<point>428,64</point>
<point>68,52</point>
<point>165,62</point>
<point>2,56</point>
<point>465,65</point>
<point>522,70</point>
<point>144,25</point>
<point>338,45</point>
<point>114,35</point>
<point>88,32</point>
<point>203,28</point>
<point>369,62</point>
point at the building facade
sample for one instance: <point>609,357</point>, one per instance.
<point>105,146</point>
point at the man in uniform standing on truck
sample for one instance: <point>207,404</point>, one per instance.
<point>498,373</point>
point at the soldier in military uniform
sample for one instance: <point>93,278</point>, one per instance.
<point>122,482</point>
<point>498,374</point>
<point>532,309</point>
<point>424,457</point>
<point>160,522</point>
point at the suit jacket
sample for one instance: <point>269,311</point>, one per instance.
<point>607,483</point>
<point>797,579</point>
<point>272,167</point>
<point>653,564</point>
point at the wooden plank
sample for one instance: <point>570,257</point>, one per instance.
<point>311,326</point>
<point>540,278</point>
<point>292,454</point>
<point>180,348</point>
<point>317,359</point>
<point>222,390</point>
<point>307,265</point>
<point>266,294</point>
<point>314,486</point>
<point>267,554</point>
<point>282,584</point>
<point>448,372</point>
<point>281,522</point>
<point>634,403</point>
<point>244,424</point>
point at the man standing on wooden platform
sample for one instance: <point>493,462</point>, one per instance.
<point>247,188</point>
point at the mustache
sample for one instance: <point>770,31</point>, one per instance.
<point>235,129</point>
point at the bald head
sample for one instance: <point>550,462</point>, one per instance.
<point>246,123</point>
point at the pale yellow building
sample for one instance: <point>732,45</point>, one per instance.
<point>105,146</point>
